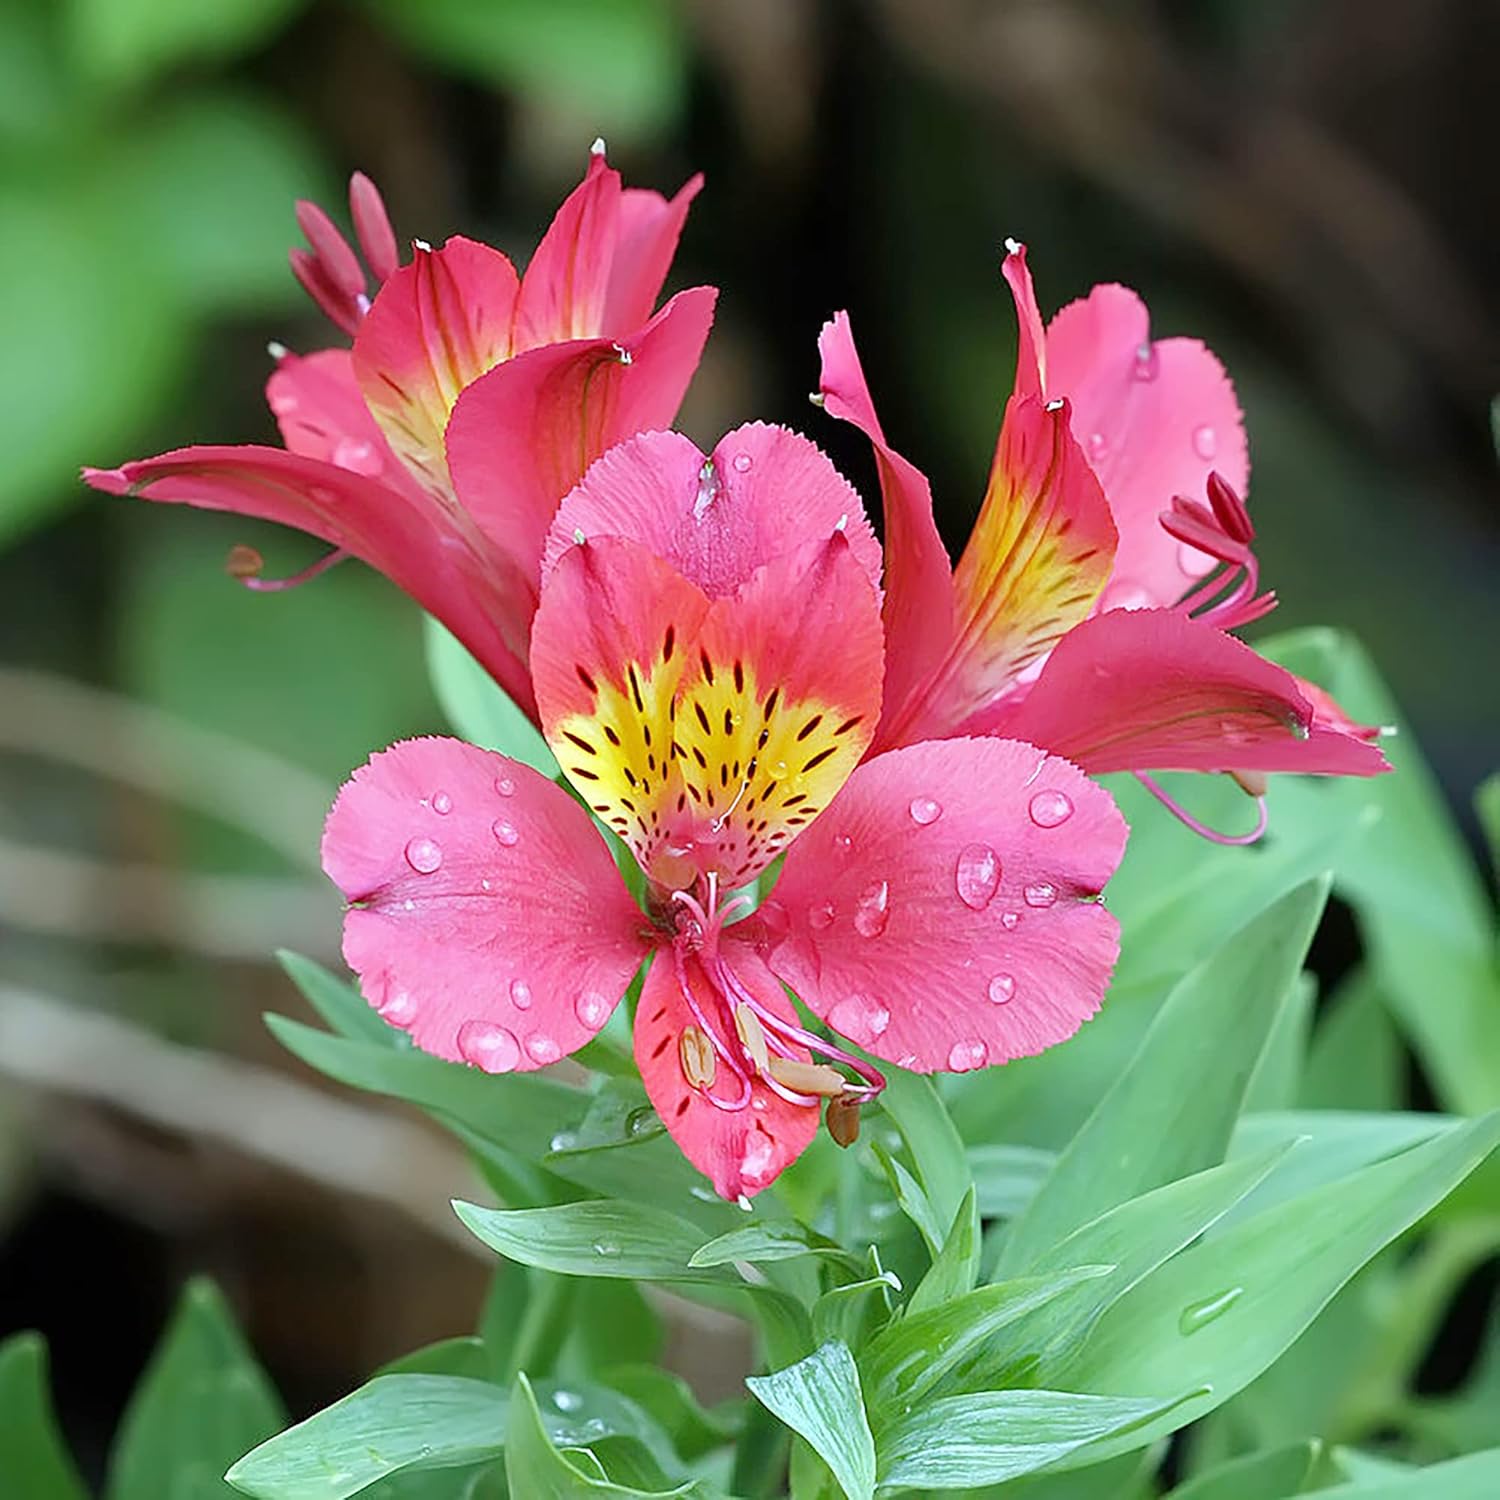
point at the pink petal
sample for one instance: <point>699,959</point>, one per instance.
<point>566,283</point>
<point>399,532</point>
<point>768,490</point>
<point>488,920</point>
<point>1138,690</point>
<point>1030,340</point>
<point>523,436</point>
<point>1154,419</point>
<point>435,327</point>
<point>942,913</point>
<point>919,608</point>
<point>742,1150</point>
<point>649,228</point>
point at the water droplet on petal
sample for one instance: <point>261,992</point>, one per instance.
<point>1009,919</point>
<point>1002,988</point>
<point>821,917</point>
<point>442,804</point>
<point>1194,562</point>
<point>742,463</point>
<point>1147,364</point>
<point>423,855</point>
<point>357,456</point>
<point>607,1248</point>
<point>977,875</point>
<point>861,1018</point>
<point>543,1048</point>
<point>488,1046</point>
<point>1040,893</point>
<point>1098,446</point>
<point>399,1009</point>
<point>924,811</point>
<point>505,787</point>
<point>873,910</point>
<point>1197,1315</point>
<point>760,1151</point>
<point>567,1400</point>
<point>520,994</point>
<point>1050,808</point>
<point>592,1009</point>
<point>505,833</point>
<point>1205,442</point>
<point>966,1056</point>
<point>774,918</point>
<point>777,771</point>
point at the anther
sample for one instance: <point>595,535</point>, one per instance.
<point>808,1078</point>
<point>842,1119</point>
<point>696,1054</point>
<point>753,1035</point>
<point>245,563</point>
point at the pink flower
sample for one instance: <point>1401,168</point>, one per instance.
<point>1081,615</point>
<point>438,447</point>
<point>708,660</point>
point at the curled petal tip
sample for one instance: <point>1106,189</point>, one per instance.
<point>1014,246</point>
<point>421,247</point>
<point>277,350</point>
<point>818,399</point>
<point>597,148</point>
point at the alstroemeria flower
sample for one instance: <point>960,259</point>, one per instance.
<point>708,662</point>
<point>1080,615</point>
<point>473,399</point>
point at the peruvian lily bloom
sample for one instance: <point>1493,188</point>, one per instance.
<point>438,447</point>
<point>708,658</point>
<point>1090,610</point>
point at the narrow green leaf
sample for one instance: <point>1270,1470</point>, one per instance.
<point>1487,806</point>
<point>776,1239</point>
<point>1219,1313</point>
<point>477,707</point>
<point>853,1313</point>
<point>937,1151</point>
<point>395,1424</point>
<point>465,1357</point>
<point>1355,1059</point>
<point>201,1403</point>
<point>671,1401</point>
<point>911,1198</point>
<point>991,1436</point>
<point>338,1003</point>
<point>1006,1178</point>
<point>1473,1477</point>
<point>956,1268</point>
<point>1172,1111</point>
<point>1254,1476</point>
<point>819,1399</point>
<point>33,1457</point>
<point>600,1238</point>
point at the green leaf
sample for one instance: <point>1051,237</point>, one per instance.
<point>520,1111</point>
<point>1354,1060</point>
<point>394,1424</point>
<point>1254,1476</point>
<point>936,1149</point>
<point>478,708</point>
<point>33,1457</point>
<point>1219,1313</point>
<point>1173,1109</point>
<point>1474,1477</point>
<point>776,1239</point>
<point>1487,806</point>
<point>465,1357</point>
<point>911,1198</point>
<point>600,1238</point>
<point>913,1357</point>
<point>819,1399</point>
<point>992,1436</point>
<point>1006,1178</point>
<point>853,1312</point>
<point>956,1268</point>
<point>538,1471</point>
<point>126,41</point>
<point>671,1402</point>
<point>201,1403</point>
<point>338,1002</point>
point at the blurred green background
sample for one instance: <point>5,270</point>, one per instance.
<point>1308,186</point>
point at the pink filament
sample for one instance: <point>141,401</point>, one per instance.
<point>1202,829</point>
<point>280,585</point>
<point>1223,529</point>
<point>330,272</point>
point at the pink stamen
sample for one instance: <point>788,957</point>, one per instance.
<point>721,1051</point>
<point>372,227</point>
<point>1237,840</point>
<point>1223,529</point>
<point>331,273</point>
<point>244,564</point>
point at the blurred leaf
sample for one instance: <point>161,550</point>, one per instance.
<point>465,1357</point>
<point>1476,1477</point>
<point>1354,1060</point>
<point>618,62</point>
<point>127,41</point>
<point>1278,1076</point>
<point>911,1199</point>
<point>339,1003</point>
<point>1007,1177</point>
<point>937,1150</point>
<point>852,1313</point>
<point>477,708</point>
<point>35,90</point>
<point>1219,1313</point>
<point>992,1436</point>
<point>395,1423</point>
<point>1255,1476</point>
<point>1487,805</point>
<point>670,1401</point>
<point>1173,1109</point>
<point>33,1456</point>
<point>819,1399</point>
<point>777,1239</point>
<point>956,1268</point>
<point>201,1403</point>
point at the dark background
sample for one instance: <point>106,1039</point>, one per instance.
<point>1308,186</point>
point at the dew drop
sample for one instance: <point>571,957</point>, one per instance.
<point>821,917</point>
<point>592,1009</point>
<point>1192,560</point>
<point>641,1121</point>
<point>1049,809</point>
<point>607,1248</point>
<point>1009,919</point>
<point>1205,442</point>
<point>423,855</point>
<point>543,1048</point>
<point>966,1056</point>
<point>1041,893</point>
<point>505,787</point>
<point>774,918</point>
<point>1002,988</point>
<point>520,994</point>
<point>708,489</point>
<point>873,909</point>
<point>760,1151</point>
<point>488,1046</point>
<point>1098,446</point>
<point>977,875</point>
<point>564,1140</point>
<point>399,1009</point>
<point>742,463</point>
<point>505,833</point>
<point>861,1018</point>
<point>924,811</point>
<point>1198,1315</point>
<point>357,456</point>
<point>442,804</point>
<point>1147,362</point>
<point>567,1400</point>
<point>485,882</point>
